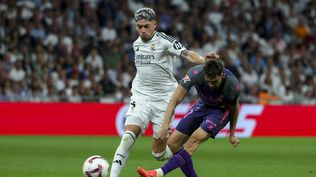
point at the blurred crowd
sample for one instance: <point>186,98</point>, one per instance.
<point>74,51</point>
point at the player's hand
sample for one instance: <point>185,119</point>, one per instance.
<point>211,56</point>
<point>234,140</point>
<point>162,134</point>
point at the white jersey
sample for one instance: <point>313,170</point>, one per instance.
<point>154,79</point>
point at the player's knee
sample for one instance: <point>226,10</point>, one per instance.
<point>164,155</point>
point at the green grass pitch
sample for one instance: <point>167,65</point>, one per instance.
<point>63,156</point>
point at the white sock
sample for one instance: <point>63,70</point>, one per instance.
<point>121,154</point>
<point>169,153</point>
<point>159,172</point>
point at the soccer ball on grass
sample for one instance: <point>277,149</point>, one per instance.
<point>96,166</point>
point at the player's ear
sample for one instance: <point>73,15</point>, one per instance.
<point>223,75</point>
<point>155,23</point>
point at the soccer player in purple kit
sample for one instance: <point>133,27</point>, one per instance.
<point>219,91</point>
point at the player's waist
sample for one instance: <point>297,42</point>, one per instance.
<point>151,96</point>
<point>209,105</point>
<point>159,91</point>
<point>156,82</point>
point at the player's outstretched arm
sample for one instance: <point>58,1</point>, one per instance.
<point>196,58</point>
<point>192,56</point>
<point>177,98</point>
<point>233,123</point>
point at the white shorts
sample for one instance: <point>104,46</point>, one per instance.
<point>141,112</point>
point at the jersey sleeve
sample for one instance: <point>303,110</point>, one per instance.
<point>192,77</point>
<point>172,45</point>
<point>176,48</point>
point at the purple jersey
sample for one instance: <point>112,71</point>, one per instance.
<point>212,112</point>
<point>228,93</point>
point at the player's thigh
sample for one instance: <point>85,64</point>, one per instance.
<point>191,121</point>
<point>159,110</point>
<point>176,141</point>
<point>138,114</point>
<point>195,140</point>
<point>215,121</point>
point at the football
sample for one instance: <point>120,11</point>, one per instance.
<point>96,166</point>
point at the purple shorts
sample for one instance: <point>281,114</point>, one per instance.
<point>209,119</point>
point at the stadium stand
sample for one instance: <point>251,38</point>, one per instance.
<point>77,51</point>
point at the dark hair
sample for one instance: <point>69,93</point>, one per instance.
<point>213,68</point>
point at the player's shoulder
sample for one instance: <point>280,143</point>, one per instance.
<point>196,70</point>
<point>196,73</point>
<point>164,37</point>
<point>231,87</point>
<point>193,76</point>
<point>231,77</point>
<point>138,41</point>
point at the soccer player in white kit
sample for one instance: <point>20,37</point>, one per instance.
<point>152,86</point>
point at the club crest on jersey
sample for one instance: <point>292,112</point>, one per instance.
<point>186,79</point>
<point>153,47</point>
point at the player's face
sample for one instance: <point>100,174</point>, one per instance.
<point>214,83</point>
<point>146,29</point>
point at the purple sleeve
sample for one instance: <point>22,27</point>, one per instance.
<point>194,76</point>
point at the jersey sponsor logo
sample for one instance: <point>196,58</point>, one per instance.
<point>186,79</point>
<point>177,45</point>
<point>142,57</point>
<point>142,62</point>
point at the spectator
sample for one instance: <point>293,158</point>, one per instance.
<point>17,74</point>
<point>108,33</point>
<point>94,59</point>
